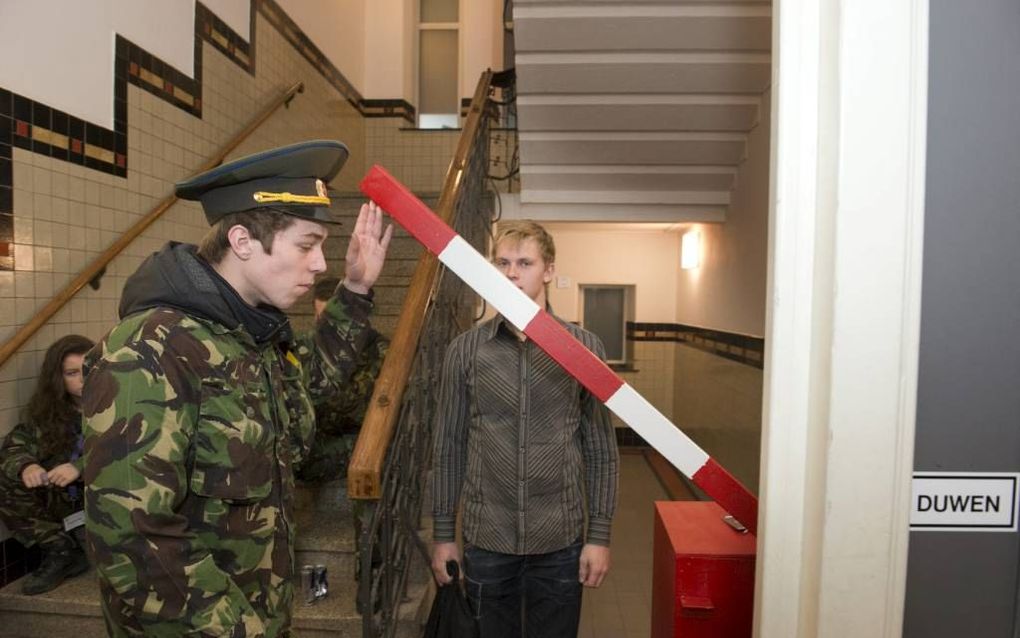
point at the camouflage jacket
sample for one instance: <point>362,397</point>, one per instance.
<point>192,429</point>
<point>21,448</point>
<point>342,412</point>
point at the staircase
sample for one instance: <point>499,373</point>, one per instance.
<point>325,537</point>
<point>391,287</point>
<point>325,530</point>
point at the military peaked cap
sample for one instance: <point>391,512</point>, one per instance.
<point>290,179</point>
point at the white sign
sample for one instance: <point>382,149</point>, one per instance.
<point>964,501</point>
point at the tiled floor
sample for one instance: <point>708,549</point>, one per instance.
<point>621,607</point>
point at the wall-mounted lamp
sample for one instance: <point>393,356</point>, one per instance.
<point>690,250</point>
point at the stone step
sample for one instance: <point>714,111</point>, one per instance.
<point>73,605</point>
<point>326,530</point>
<point>325,536</point>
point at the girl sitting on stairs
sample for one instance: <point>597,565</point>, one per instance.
<point>40,469</point>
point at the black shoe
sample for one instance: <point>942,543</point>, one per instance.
<point>57,564</point>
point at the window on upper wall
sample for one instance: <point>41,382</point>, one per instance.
<point>438,63</point>
<point>605,310</point>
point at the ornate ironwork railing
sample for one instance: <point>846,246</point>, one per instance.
<point>388,470</point>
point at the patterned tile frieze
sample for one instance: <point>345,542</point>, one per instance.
<point>39,128</point>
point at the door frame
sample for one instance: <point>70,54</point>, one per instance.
<point>846,219</point>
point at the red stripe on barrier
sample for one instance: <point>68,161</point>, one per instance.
<point>728,493</point>
<point>570,353</point>
<point>425,226</point>
<point>409,211</point>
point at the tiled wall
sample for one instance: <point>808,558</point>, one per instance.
<point>709,383</point>
<point>418,158</point>
<point>64,213</point>
<point>653,373</point>
<point>718,404</point>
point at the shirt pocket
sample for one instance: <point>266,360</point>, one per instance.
<point>233,443</point>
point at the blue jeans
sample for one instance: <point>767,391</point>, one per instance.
<point>543,588</point>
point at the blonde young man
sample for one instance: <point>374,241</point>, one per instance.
<point>527,451</point>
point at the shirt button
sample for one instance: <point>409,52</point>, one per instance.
<point>250,411</point>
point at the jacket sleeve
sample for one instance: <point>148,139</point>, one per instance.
<point>140,406</point>
<point>20,449</point>
<point>450,445</point>
<point>601,458</point>
<point>330,353</point>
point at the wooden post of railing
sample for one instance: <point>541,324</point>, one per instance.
<point>100,262</point>
<point>364,474</point>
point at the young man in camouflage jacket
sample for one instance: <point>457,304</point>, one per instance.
<point>197,409</point>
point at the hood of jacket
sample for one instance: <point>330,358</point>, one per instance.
<point>176,277</point>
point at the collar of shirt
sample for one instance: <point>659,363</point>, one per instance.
<point>494,324</point>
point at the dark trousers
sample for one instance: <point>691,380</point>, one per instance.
<point>541,588</point>
<point>35,516</point>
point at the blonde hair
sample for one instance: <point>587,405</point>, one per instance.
<point>517,231</point>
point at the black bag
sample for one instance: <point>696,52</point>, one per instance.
<point>451,615</point>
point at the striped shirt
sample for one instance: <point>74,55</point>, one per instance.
<point>522,444</point>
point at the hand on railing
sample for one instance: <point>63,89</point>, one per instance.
<point>366,251</point>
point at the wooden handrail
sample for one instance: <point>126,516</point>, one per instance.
<point>100,262</point>
<point>364,473</point>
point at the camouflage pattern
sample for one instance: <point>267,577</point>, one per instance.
<point>338,418</point>
<point>192,431</point>
<point>33,515</point>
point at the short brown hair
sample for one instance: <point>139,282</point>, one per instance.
<point>262,225</point>
<point>517,231</point>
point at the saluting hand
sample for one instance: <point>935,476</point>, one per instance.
<point>366,251</point>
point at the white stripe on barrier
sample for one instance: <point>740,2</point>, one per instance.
<point>659,431</point>
<point>511,302</point>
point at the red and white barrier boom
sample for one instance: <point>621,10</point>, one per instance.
<point>476,271</point>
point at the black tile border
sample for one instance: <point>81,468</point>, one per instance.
<point>291,32</point>
<point>387,108</point>
<point>42,129</point>
<point>729,345</point>
<point>210,28</point>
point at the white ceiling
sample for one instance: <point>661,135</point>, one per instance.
<point>638,110</point>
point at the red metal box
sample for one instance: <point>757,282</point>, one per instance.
<point>703,573</point>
